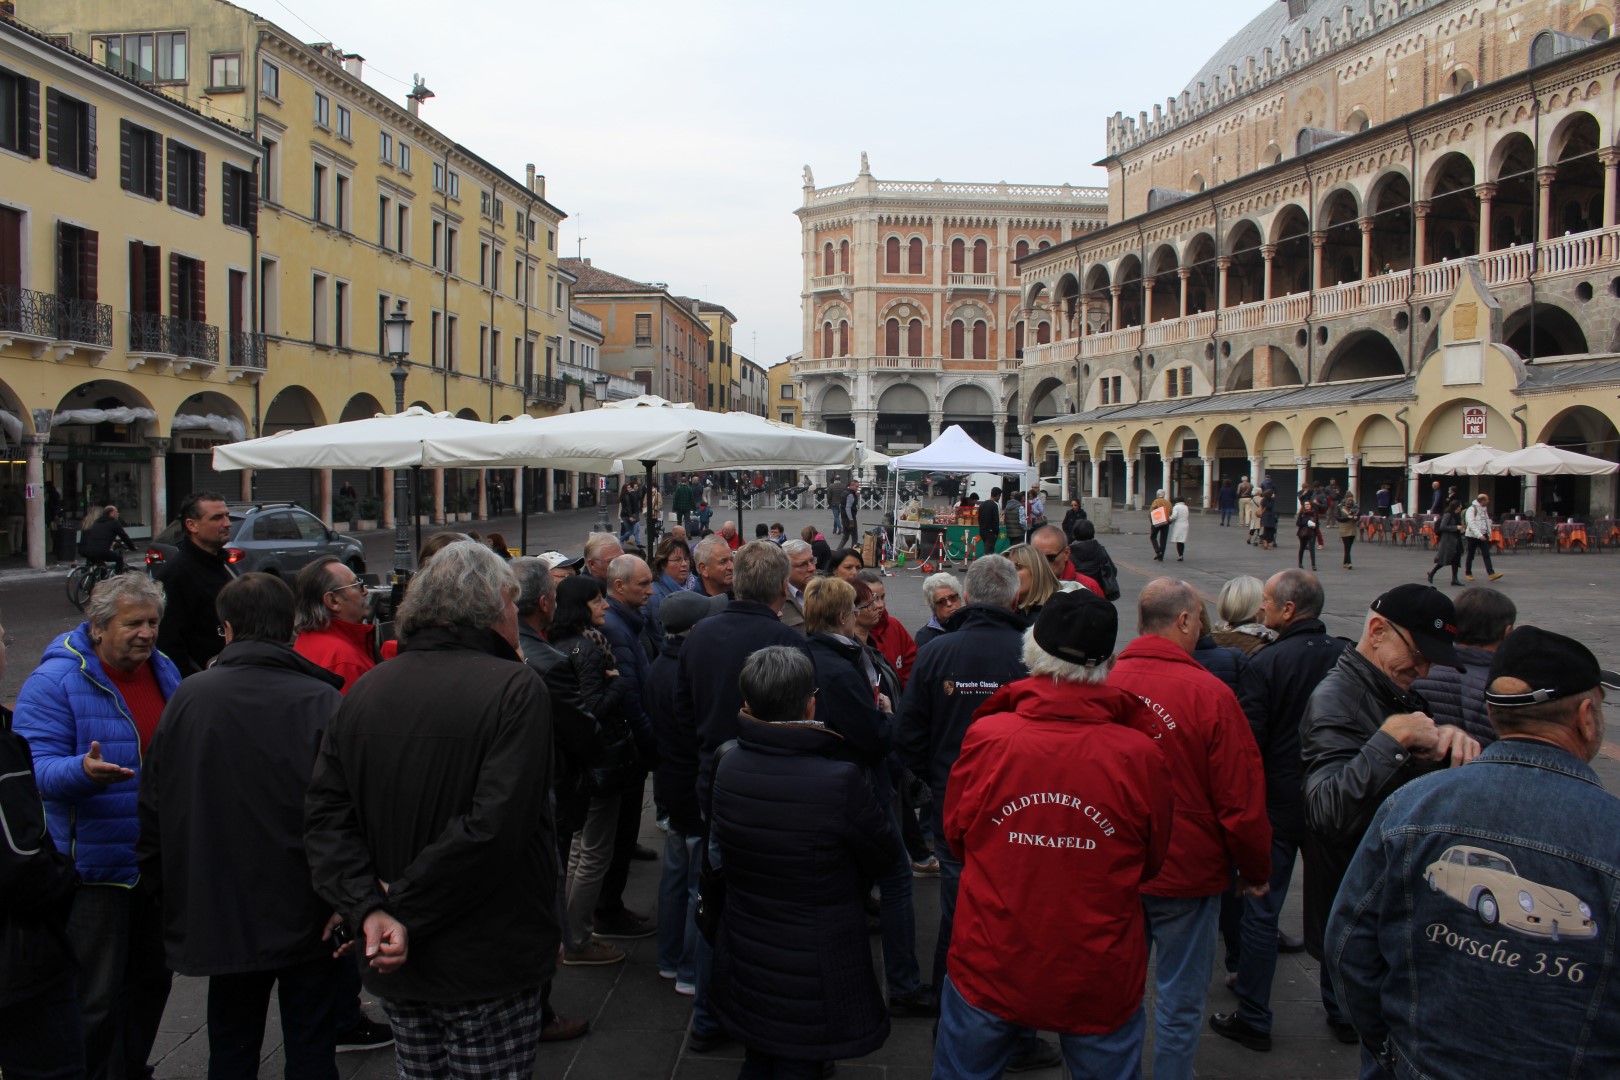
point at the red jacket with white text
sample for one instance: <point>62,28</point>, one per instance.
<point>1060,807</point>
<point>1219,780</point>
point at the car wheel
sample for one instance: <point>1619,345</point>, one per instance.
<point>1485,907</point>
<point>1434,886</point>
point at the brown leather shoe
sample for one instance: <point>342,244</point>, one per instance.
<point>563,1028</point>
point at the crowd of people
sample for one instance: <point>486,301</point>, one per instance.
<point>225,775</point>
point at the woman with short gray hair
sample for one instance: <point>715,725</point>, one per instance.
<point>942,593</point>
<point>89,711</point>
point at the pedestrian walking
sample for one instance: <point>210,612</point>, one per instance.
<point>849,511</point>
<point>1227,500</point>
<point>1159,524</point>
<point>990,523</point>
<point>1180,519</point>
<point>1268,514</point>
<point>1477,531</point>
<point>1309,531</point>
<point>1245,497</point>
<point>1348,516</point>
<point>1449,553</point>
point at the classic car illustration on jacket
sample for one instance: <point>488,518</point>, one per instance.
<point>1487,884</point>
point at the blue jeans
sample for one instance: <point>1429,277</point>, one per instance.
<point>677,893</point>
<point>898,919</point>
<point>976,1045</point>
<point>705,1025</point>
<point>1257,958</point>
<point>1182,930</point>
<point>950,877</point>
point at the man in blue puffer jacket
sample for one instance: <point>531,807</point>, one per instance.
<point>88,711</point>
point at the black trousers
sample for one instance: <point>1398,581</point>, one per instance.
<point>123,985</point>
<point>1307,544</point>
<point>41,1037</point>
<point>624,847</point>
<point>1483,547</point>
<point>1349,542</point>
<point>308,995</point>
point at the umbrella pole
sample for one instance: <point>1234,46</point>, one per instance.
<point>416,502</point>
<point>523,496</point>
<point>647,513</point>
<point>741,535</point>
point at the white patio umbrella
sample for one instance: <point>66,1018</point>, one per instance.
<point>1543,460</point>
<point>648,429</point>
<point>384,441</point>
<point>1469,461</point>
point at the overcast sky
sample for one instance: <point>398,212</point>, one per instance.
<point>674,135</point>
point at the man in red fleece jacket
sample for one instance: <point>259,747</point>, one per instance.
<point>1220,795</point>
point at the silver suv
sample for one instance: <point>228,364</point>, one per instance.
<point>278,538</point>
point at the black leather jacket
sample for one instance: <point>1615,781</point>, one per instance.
<point>576,736</point>
<point>604,697</point>
<point>36,882</point>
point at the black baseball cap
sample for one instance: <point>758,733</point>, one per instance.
<point>1553,665</point>
<point>1078,626</point>
<point>1427,614</point>
<point>683,610</point>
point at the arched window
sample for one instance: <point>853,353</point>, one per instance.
<point>891,256</point>
<point>843,338</point>
<point>981,257</point>
<point>916,264</point>
<point>891,338</point>
<point>1043,332</point>
<point>843,256</point>
<point>1021,250</point>
<point>1043,245</point>
<point>981,340</point>
<point>1018,339</point>
<point>827,258</point>
<point>1357,121</point>
<point>958,256</point>
<point>914,342</point>
<point>826,339</point>
<point>1461,82</point>
<point>958,332</point>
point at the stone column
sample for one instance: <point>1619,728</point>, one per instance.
<point>1302,470</point>
<point>1209,483</point>
<point>573,492</point>
<point>1184,274</point>
<point>1610,157</point>
<point>438,497</point>
<point>481,507</point>
<point>247,485</point>
<point>866,427</point>
<point>1268,254</point>
<point>387,497</point>
<point>1001,435</point>
<point>1366,224</point>
<point>160,483</point>
<point>1257,469</point>
<point>1147,299</point>
<point>1412,480</point>
<point>34,524</point>
<point>1113,305</point>
<point>1318,243</point>
<point>1096,478</point>
<point>1352,476</point>
<point>1222,265</point>
<point>1545,175</point>
<point>1532,492</point>
<point>1420,230</point>
<point>324,494</point>
<point>1486,193</point>
<point>936,422</point>
<point>1130,483</point>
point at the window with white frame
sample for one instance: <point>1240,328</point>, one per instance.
<point>344,124</point>
<point>323,110</point>
<point>269,80</point>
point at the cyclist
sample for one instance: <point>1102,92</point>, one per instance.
<point>96,542</point>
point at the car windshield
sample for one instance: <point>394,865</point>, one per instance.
<point>1488,861</point>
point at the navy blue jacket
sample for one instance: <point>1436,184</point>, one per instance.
<point>801,836</point>
<point>708,696</point>
<point>1225,663</point>
<point>1279,684</point>
<point>623,629</point>
<point>954,674</point>
<point>844,703</point>
<point>1458,697</point>
<point>674,791</point>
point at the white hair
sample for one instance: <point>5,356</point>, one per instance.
<point>1042,663</point>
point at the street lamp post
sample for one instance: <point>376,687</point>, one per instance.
<point>599,387</point>
<point>397,333</point>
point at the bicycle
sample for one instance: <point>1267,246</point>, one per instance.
<point>82,579</point>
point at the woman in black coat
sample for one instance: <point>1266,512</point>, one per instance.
<point>800,835</point>
<point>1089,557</point>
<point>1074,516</point>
<point>576,632</point>
<point>1450,530</point>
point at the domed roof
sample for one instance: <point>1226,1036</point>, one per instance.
<point>1266,30</point>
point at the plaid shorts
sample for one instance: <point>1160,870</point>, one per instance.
<point>495,1038</point>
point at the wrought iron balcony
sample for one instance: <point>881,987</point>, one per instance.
<point>247,350</point>
<point>26,313</point>
<point>553,391</point>
<point>154,335</point>
<point>84,321</point>
<point>45,317</point>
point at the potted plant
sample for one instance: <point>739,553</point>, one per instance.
<point>369,511</point>
<point>343,513</point>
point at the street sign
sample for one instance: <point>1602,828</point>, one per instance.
<point>1473,421</point>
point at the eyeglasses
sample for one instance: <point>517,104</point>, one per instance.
<point>1412,651</point>
<point>863,607</point>
<point>1057,557</point>
<point>355,584</point>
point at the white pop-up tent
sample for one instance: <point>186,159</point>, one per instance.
<point>956,452</point>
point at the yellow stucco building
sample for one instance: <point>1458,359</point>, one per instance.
<point>362,207</point>
<point>782,402</point>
